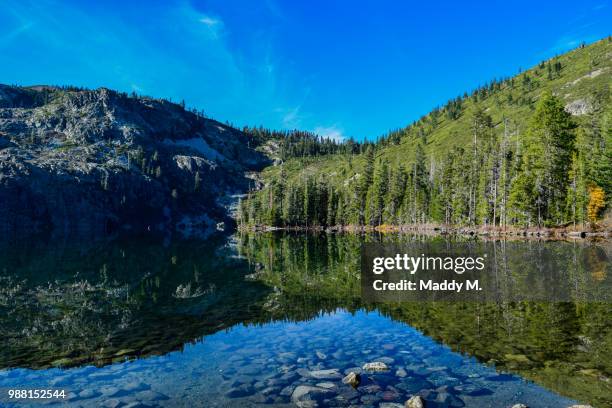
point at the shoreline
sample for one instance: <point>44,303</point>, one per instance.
<point>440,229</point>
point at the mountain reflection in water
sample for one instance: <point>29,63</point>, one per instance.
<point>76,305</point>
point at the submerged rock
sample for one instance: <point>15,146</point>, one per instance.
<point>370,389</point>
<point>413,385</point>
<point>287,391</point>
<point>241,391</point>
<point>112,403</point>
<point>448,400</point>
<point>303,372</point>
<point>326,385</point>
<point>473,390</point>
<point>386,360</point>
<point>110,391</point>
<point>269,390</point>
<point>305,395</point>
<point>390,394</point>
<point>88,394</point>
<point>375,366</point>
<point>369,399</point>
<point>151,395</point>
<point>330,374</point>
<point>348,394</point>
<point>415,402</point>
<point>135,404</point>
<point>353,379</point>
<point>289,376</point>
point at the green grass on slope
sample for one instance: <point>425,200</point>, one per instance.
<point>585,71</point>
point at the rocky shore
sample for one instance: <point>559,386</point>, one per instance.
<point>562,233</point>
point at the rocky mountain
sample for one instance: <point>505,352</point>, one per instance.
<point>99,161</point>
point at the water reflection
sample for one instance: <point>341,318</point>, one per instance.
<point>567,347</point>
<point>64,305</point>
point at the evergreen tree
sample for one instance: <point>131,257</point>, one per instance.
<point>379,193</point>
<point>577,193</point>
<point>397,190</point>
<point>365,183</point>
<point>544,174</point>
<point>420,186</point>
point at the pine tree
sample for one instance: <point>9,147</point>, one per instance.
<point>379,193</point>
<point>446,188</point>
<point>598,145</point>
<point>420,186</point>
<point>396,194</point>
<point>577,194</point>
<point>544,172</point>
<point>481,128</point>
<point>365,183</point>
<point>340,212</point>
<point>331,207</point>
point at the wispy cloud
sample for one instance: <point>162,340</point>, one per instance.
<point>11,35</point>
<point>214,24</point>
<point>291,117</point>
<point>330,132</point>
<point>567,43</point>
<point>210,21</point>
<point>203,55</point>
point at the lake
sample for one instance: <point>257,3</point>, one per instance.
<point>277,318</point>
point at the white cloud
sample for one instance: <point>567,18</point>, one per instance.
<point>331,132</point>
<point>210,21</point>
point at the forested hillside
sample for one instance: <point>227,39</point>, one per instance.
<point>289,144</point>
<point>531,150</point>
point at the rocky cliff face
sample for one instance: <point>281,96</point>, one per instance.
<point>81,161</point>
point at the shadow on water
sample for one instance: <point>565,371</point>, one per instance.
<point>70,304</point>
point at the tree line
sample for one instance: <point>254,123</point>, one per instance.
<point>301,143</point>
<point>555,173</point>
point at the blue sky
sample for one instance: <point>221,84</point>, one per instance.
<point>343,69</point>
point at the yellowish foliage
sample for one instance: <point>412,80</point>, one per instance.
<point>596,202</point>
<point>385,228</point>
